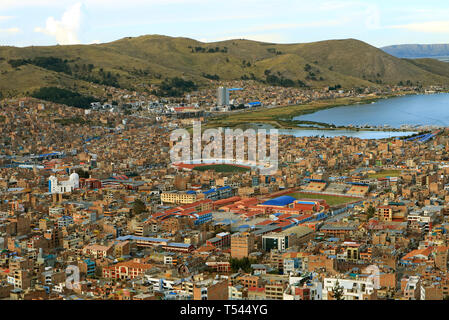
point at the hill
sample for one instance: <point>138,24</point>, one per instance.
<point>137,63</point>
<point>418,50</point>
<point>434,66</point>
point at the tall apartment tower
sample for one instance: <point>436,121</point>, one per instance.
<point>222,97</point>
<point>242,244</point>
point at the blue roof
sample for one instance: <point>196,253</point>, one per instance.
<point>280,201</point>
<point>178,244</point>
<point>306,202</point>
<point>209,191</point>
<point>358,184</point>
<point>131,237</point>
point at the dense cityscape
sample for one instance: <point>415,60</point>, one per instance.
<point>210,159</point>
<point>93,190</point>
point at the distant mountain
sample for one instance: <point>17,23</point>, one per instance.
<point>418,50</point>
<point>134,63</point>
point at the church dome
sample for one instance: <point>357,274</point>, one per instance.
<point>74,177</point>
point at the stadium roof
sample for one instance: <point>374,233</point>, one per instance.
<point>280,201</point>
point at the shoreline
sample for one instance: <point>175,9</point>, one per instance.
<point>284,120</point>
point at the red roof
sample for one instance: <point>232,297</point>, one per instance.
<point>202,213</point>
<point>266,222</point>
<point>304,207</point>
<point>425,252</point>
<point>228,200</point>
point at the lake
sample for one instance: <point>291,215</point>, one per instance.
<point>362,134</point>
<point>416,110</point>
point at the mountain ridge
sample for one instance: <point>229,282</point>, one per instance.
<point>418,50</point>
<point>136,62</point>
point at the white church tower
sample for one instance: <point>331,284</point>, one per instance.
<point>63,186</point>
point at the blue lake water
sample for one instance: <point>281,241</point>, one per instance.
<point>362,134</point>
<point>417,110</point>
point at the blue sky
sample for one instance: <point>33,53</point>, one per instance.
<point>381,22</point>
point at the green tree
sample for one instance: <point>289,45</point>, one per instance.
<point>63,96</point>
<point>243,264</point>
<point>83,174</point>
<point>337,291</point>
<point>139,207</point>
<point>370,212</point>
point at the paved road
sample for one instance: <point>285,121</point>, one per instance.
<point>338,217</point>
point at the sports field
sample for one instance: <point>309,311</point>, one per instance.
<point>385,173</point>
<point>330,199</point>
<point>225,168</point>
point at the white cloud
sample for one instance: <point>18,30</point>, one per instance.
<point>66,30</point>
<point>429,27</point>
<point>10,30</point>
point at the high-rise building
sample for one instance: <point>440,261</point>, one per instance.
<point>242,244</point>
<point>222,96</point>
<point>274,241</point>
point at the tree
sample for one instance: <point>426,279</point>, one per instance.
<point>139,207</point>
<point>241,264</point>
<point>63,96</point>
<point>83,174</point>
<point>337,291</point>
<point>371,211</point>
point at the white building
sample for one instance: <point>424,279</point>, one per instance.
<point>274,241</point>
<point>353,289</point>
<point>222,97</point>
<point>235,292</point>
<point>315,289</point>
<point>159,283</point>
<point>63,186</point>
<point>412,288</point>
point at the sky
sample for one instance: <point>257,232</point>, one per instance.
<point>377,22</point>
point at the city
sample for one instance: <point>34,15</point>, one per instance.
<point>94,206</point>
